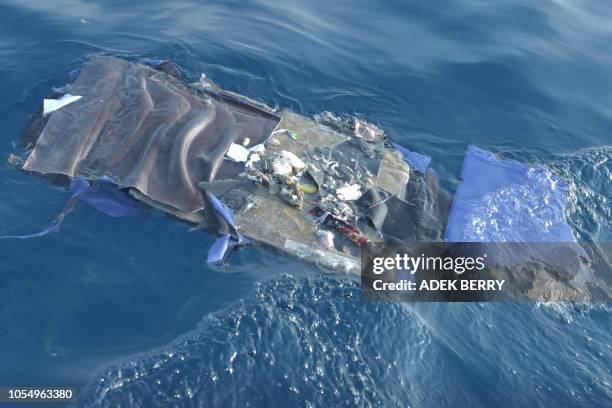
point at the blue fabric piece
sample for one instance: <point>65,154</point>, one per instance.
<point>53,227</point>
<point>507,201</point>
<point>78,186</point>
<point>102,194</point>
<point>417,160</point>
<point>219,250</point>
<point>223,210</point>
<point>224,245</point>
<point>105,197</point>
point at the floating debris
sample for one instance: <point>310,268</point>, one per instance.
<point>219,250</point>
<point>282,167</point>
<point>14,160</point>
<point>296,163</point>
<point>350,232</point>
<point>367,131</point>
<point>290,133</point>
<point>237,153</point>
<point>354,235</point>
<point>307,187</point>
<point>349,193</point>
<point>266,184</point>
<point>337,208</point>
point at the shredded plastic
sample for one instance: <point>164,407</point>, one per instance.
<point>507,201</point>
<point>102,194</point>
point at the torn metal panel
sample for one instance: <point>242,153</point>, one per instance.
<point>144,129</point>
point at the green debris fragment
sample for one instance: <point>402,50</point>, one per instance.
<point>291,133</point>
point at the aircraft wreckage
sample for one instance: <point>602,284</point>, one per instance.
<point>315,188</point>
<point>126,136</point>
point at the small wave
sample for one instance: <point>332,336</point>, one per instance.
<point>314,342</point>
<point>589,176</point>
<point>296,342</point>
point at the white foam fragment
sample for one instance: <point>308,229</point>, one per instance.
<point>295,161</point>
<point>51,105</point>
<point>282,167</point>
<point>237,153</point>
<point>349,193</point>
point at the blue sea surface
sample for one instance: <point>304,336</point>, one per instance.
<point>127,310</point>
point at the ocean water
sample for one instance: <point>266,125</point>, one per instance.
<point>127,311</point>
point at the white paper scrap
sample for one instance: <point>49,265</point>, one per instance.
<point>237,153</point>
<point>349,193</point>
<point>51,105</point>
